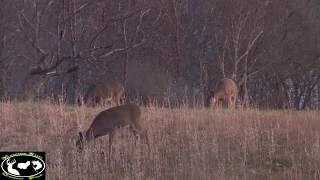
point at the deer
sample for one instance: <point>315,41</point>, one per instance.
<point>110,120</point>
<point>226,90</point>
<point>10,167</point>
<point>103,90</point>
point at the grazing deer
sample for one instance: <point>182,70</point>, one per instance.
<point>104,90</point>
<point>225,90</point>
<point>108,121</point>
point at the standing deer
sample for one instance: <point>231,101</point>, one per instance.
<point>104,90</point>
<point>108,121</point>
<point>225,90</point>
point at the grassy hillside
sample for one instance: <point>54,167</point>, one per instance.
<point>185,143</point>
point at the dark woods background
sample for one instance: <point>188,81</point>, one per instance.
<point>168,51</point>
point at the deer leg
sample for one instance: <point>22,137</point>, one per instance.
<point>135,133</point>
<point>95,136</point>
<point>222,102</point>
<point>118,101</point>
<point>114,101</point>
<point>100,101</point>
<point>95,101</point>
<point>107,102</point>
<point>111,136</point>
<point>147,139</point>
<point>103,102</point>
<point>228,100</point>
<point>234,100</point>
<point>137,129</point>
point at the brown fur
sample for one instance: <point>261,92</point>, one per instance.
<point>225,90</point>
<point>108,121</point>
<point>103,90</point>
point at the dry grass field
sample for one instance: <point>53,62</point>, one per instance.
<point>185,143</point>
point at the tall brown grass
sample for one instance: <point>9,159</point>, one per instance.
<point>185,143</point>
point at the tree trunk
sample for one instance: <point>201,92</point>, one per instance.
<point>75,52</point>
<point>318,95</point>
<point>125,70</point>
<point>245,84</point>
<point>296,97</point>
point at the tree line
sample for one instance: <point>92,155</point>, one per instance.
<point>169,51</point>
